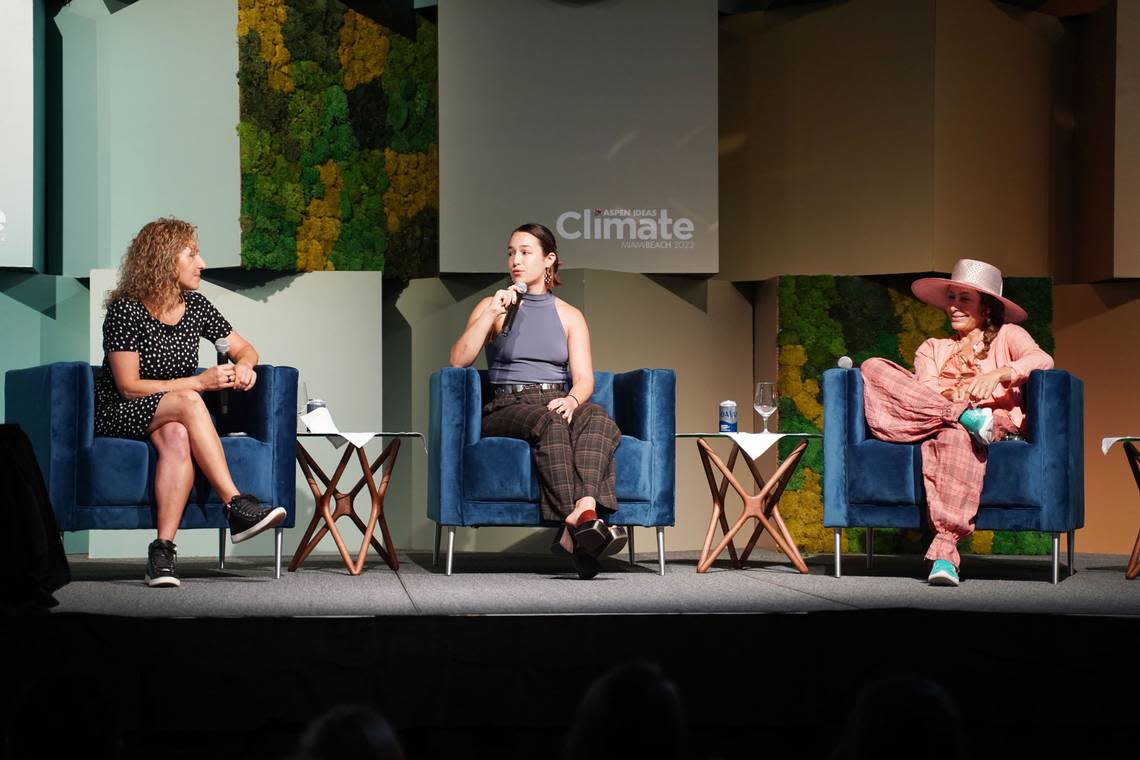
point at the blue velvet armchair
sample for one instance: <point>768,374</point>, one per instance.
<point>99,483</point>
<point>1036,484</point>
<point>475,481</point>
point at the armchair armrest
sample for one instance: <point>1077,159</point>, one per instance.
<point>455,397</point>
<point>1054,411</point>
<point>645,407</point>
<point>270,407</point>
<point>268,413</point>
<point>843,425</point>
<point>54,405</point>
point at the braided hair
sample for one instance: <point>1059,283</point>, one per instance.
<point>993,317</point>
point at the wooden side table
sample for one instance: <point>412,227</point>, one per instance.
<point>763,507</point>
<point>332,504</point>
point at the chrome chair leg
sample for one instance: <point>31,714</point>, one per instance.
<point>869,535</point>
<point>629,530</point>
<point>450,546</point>
<point>278,536</point>
<point>661,548</point>
<point>838,554</point>
<point>221,548</point>
<point>1056,558</point>
<point>435,549</point>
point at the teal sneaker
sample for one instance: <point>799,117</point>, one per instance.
<point>979,423</point>
<point>943,573</point>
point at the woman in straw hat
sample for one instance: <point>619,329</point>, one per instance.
<point>964,393</point>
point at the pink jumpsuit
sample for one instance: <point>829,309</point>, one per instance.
<point>903,408</point>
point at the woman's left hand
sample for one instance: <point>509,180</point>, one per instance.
<point>244,377</point>
<point>564,406</point>
<point>984,385</point>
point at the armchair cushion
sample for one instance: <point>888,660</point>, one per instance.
<point>884,473</point>
<point>127,483</point>
<point>633,465</point>
<point>499,469</point>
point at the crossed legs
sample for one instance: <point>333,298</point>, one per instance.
<point>574,460</point>
<point>183,434</point>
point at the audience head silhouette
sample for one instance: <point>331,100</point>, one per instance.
<point>350,731</point>
<point>631,711</point>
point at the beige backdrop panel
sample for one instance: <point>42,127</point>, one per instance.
<point>826,139</point>
<point>992,117</point>
<point>1126,249</point>
<point>328,326</point>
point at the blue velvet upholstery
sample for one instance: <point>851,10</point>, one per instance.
<point>108,483</point>
<point>1036,484</point>
<point>476,481</point>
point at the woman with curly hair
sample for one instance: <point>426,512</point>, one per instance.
<point>148,390</point>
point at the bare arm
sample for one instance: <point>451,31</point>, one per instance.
<point>125,369</point>
<point>485,320</point>
<point>581,362</point>
<point>245,358</point>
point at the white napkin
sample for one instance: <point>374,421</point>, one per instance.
<point>1108,443</point>
<point>320,421</point>
<point>755,444</point>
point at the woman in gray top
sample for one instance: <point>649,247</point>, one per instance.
<point>542,376</point>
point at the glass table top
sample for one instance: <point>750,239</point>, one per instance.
<point>729,435</point>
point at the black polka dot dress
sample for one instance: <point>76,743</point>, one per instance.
<point>165,352</point>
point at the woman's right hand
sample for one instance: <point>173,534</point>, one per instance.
<point>501,301</point>
<point>220,377</point>
<point>957,393</point>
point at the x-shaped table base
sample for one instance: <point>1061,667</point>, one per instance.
<point>1134,462</point>
<point>327,513</point>
<point>762,507</point>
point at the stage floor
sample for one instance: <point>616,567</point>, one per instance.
<point>493,660</point>
<point>520,584</point>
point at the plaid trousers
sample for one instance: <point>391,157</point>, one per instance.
<point>900,409</point>
<point>574,459</point>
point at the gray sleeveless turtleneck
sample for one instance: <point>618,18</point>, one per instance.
<point>536,349</point>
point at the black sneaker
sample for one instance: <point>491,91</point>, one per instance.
<point>160,558</point>
<point>247,517</point>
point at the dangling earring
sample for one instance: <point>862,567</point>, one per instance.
<point>549,278</point>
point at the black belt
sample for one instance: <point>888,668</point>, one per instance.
<point>502,390</point>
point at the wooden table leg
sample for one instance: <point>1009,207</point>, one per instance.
<point>761,507</point>
<point>775,490</point>
<point>322,513</point>
<point>376,516</point>
<point>1133,455</point>
<point>718,493</point>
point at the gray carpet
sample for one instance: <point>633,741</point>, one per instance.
<point>513,584</point>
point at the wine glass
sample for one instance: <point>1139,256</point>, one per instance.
<point>764,401</point>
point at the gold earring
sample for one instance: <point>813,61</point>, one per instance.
<point>549,276</point>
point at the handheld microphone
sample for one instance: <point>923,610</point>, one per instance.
<point>845,362</point>
<point>222,346</point>
<point>513,309</point>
